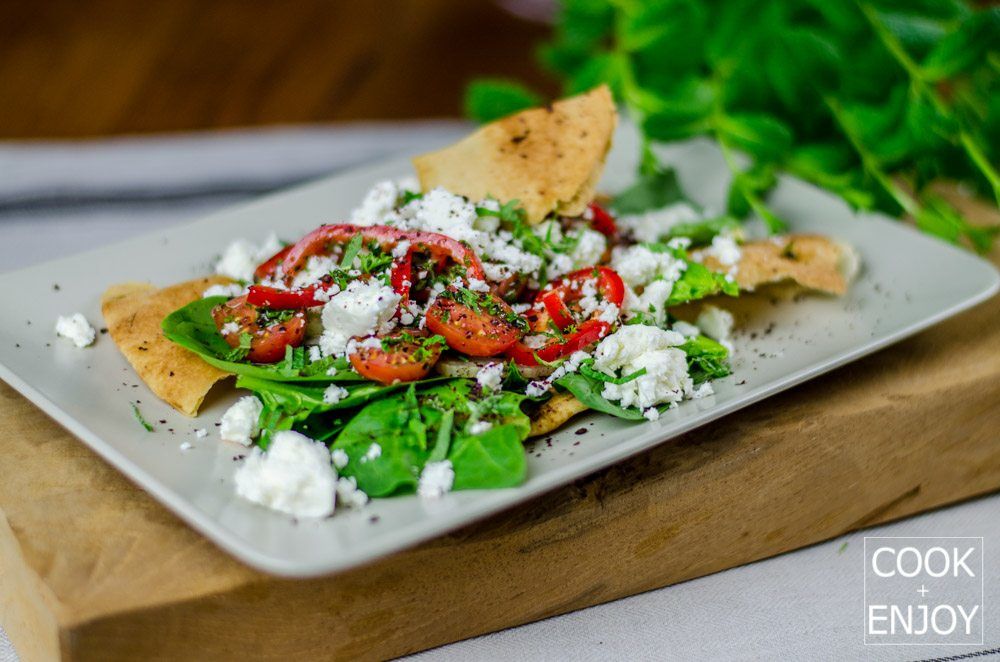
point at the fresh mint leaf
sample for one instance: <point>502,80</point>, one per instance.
<point>653,191</point>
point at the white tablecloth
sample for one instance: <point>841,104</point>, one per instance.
<point>61,198</point>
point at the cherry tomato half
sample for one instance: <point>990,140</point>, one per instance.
<point>560,296</point>
<point>585,335</point>
<point>486,330</point>
<point>268,343</point>
<point>400,358</point>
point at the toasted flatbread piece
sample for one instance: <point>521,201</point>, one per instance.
<point>133,313</point>
<point>547,158</point>
<point>555,412</point>
<point>812,261</point>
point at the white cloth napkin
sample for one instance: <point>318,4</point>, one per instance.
<point>64,197</point>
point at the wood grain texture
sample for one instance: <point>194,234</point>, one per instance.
<point>70,68</point>
<point>94,568</point>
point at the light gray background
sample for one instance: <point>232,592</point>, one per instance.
<point>61,198</point>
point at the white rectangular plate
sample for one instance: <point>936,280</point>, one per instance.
<point>909,282</point>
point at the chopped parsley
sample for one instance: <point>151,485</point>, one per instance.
<point>138,416</point>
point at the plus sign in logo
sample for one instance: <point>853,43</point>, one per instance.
<point>923,591</point>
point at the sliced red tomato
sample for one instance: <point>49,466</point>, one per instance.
<point>272,297</point>
<point>439,246</point>
<point>269,267</point>
<point>268,343</point>
<point>559,297</point>
<point>401,358</point>
<point>585,335</point>
<point>602,221</point>
<point>486,330</point>
<point>401,277</point>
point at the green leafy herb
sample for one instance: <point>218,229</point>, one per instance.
<point>871,100</point>
<point>706,359</point>
<point>351,251</point>
<point>138,416</point>
<point>487,100</point>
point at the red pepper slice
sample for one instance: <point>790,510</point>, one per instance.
<point>567,289</point>
<point>439,246</point>
<point>586,334</point>
<point>268,268</point>
<point>272,297</point>
<point>556,308</point>
<point>401,276</point>
<point>602,221</point>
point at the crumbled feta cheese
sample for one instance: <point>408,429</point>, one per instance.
<point>334,394</point>
<point>230,291</point>
<point>637,347</point>
<point>362,309</point>
<point>716,323</point>
<point>477,285</point>
<point>652,225</point>
<point>536,388</point>
<point>186,446</point>
<point>373,453</point>
<point>436,479</point>
<point>294,476</point>
<point>314,353</point>
<point>480,427</point>
<point>589,249</point>
<point>340,458</point>
<point>240,422</point>
<point>703,390</point>
<point>316,267</point>
<point>490,376</point>
<point>201,433</point>
<point>653,298</point>
<point>229,328</point>
<point>638,266</point>
<point>401,249</point>
<point>725,249</point>
<point>379,202</point>
<point>76,328</point>
<point>686,329</point>
<point>348,493</point>
<point>652,414</point>
<point>241,257</point>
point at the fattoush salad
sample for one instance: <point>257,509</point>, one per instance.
<point>415,346</point>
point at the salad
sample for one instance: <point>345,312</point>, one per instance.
<point>415,346</point>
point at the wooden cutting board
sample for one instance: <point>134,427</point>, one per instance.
<point>93,569</point>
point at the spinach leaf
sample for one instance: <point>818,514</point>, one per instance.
<point>706,359</point>
<point>702,232</point>
<point>193,328</point>
<point>493,459</point>
<point>588,391</point>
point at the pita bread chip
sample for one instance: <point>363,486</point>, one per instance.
<point>133,313</point>
<point>549,159</point>
<point>812,261</point>
<point>556,411</point>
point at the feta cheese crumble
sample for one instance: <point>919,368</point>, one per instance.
<point>480,427</point>
<point>717,324</point>
<point>638,266</point>
<point>652,225</point>
<point>219,290</point>
<point>642,347</point>
<point>362,309</point>
<point>436,479</point>
<point>334,394</point>
<point>241,257</point>
<point>490,377</point>
<point>348,494</point>
<point>340,458</point>
<point>240,422</point>
<point>201,433</point>
<point>374,452</point>
<point>294,476</point>
<point>76,329</point>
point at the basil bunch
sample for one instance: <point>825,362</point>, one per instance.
<point>873,100</point>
